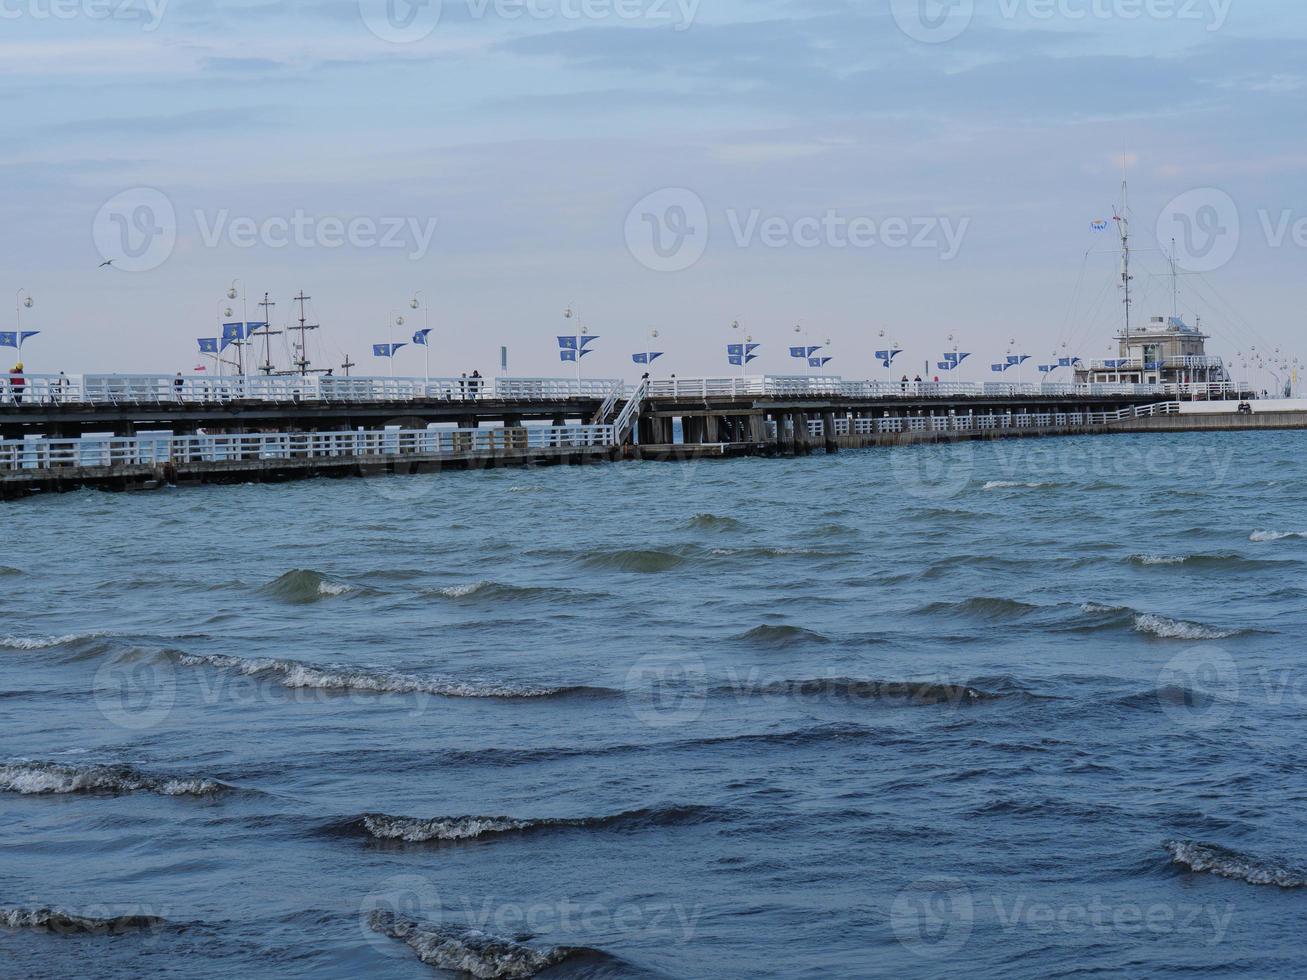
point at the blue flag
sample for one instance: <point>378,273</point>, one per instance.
<point>208,345</point>
<point>8,338</point>
<point>1068,361</point>
<point>420,338</point>
<point>999,368</point>
<point>819,362</point>
<point>22,337</point>
<point>233,331</point>
<point>386,350</point>
<point>646,358</point>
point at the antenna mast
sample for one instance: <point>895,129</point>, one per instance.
<point>302,362</point>
<point>1123,226</point>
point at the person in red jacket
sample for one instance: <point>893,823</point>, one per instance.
<point>17,383</point>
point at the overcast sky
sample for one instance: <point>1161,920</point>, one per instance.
<point>923,168</point>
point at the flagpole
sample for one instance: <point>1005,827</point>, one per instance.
<point>245,324</point>
<point>426,324</point>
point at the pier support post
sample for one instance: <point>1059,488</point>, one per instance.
<point>828,431</point>
<point>711,429</point>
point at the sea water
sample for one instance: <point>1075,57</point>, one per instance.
<point>1033,707</point>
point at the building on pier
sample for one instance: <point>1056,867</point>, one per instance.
<point>1164,351</point>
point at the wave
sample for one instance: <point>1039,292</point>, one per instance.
<point>919,692</point>
<point>1157,559</point>
<point>49,778</point>
<point>1227,863</point>
<point>1159,627</point>
<point>1016,485</point>
<point>9,570</point>
<point>1169,694</point>
<point>781,636</point>
<point>305,585</point>
<point>713,522</point>
<point>1218,561</point>
<point>488,590</point>
<point>470,951</point>
<point>44,642</point>
<point>69,923</point>
<point>643,561</point>
<point>296,675</point>
<point>983,607</point>
<point>1178,629</point>
<point>414,830</point>
<point>1263,536</point>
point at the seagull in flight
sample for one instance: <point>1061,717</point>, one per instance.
<point>103,264</point>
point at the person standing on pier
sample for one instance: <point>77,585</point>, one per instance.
<point>177,385</point>
<point>475,384</point>
<point>17,383</point>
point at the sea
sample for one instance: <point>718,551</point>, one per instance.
<point>1022,708</point>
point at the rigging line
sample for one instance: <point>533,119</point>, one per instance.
<point>1068,317</point>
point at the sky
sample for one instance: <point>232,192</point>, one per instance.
<point>931,168</point>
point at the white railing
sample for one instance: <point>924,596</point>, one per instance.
<point>163,389</point>
<point>782,386</point>
<point>106,451</point>
<point>988,422</point>
<point>609,403</point>
<point>626,418</point>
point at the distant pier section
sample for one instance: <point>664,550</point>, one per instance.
<point>143,431</point>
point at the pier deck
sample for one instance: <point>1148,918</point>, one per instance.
<point>146,431</point>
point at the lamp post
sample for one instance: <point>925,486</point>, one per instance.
<point>737,329</point>
<point>396,320</point>
<point>22,301</point>
<point>233,293</point>
<point>419,302</point>
<point>578,332</point>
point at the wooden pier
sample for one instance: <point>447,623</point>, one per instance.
<point>140,432</point>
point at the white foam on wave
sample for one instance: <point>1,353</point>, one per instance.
<point>53,779</point>
<point>468,950</point>
<point>58,920</point>
<point>294,674</point>
<point>1159,559</point>
<point>1015,485</point>
<point>1160,627</point>
<point>412,830</point>
<point>1175,629</point>
<point>1263,536</point>
<point>334,588</point>
<point>463,591</point>
<point>43,642</point>
<point>1227,863</point>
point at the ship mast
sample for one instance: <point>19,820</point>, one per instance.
<point>267,333</point>
<point>302,362</point>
